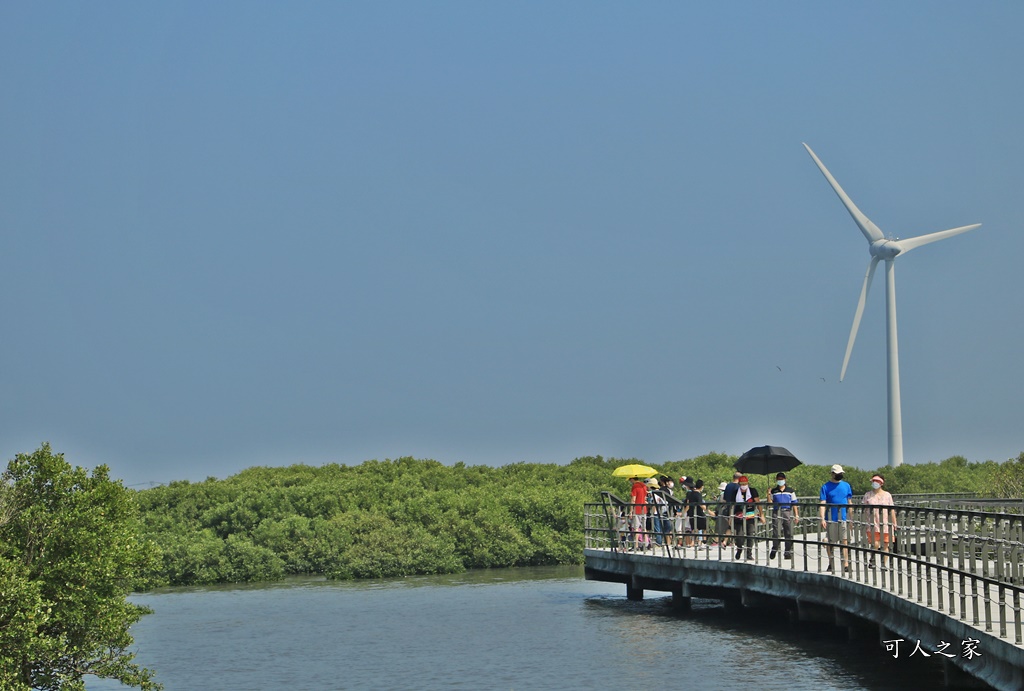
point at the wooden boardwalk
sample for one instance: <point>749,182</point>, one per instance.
<point>948,596</point>
<point>956,581</point>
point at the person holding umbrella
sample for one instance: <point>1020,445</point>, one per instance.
<point>747,509</point>
<point>638,512</point>
<point>766,460</point>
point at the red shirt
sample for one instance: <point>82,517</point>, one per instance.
<point>639,495</point>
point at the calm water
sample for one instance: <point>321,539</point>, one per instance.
<point>539,628</point>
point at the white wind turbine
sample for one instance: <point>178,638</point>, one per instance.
<point>887,249</point>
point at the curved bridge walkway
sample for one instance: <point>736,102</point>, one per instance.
<point>951,588</point>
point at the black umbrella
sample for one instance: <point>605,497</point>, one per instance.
<point>765,460</point>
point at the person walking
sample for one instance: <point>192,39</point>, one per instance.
<point>785,512</point>
<point>696,511</point>
<point>729,497</point>
<point>836,491</point>
<point>672,523</point>
<point>658,511</point>
<point>723,517</point>
<point>881,523</point>
<point>747,508</point>
<point>638,512</point>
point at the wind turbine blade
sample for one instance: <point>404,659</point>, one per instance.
<point>870,230</point>
<point>911,243</point>
<point>859,313</point>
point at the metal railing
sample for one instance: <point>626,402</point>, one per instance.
<point>967,564</point>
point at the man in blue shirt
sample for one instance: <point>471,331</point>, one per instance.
<point>784,512</point>
<point>836,491</point>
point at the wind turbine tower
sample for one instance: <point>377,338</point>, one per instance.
<point>883,249</point>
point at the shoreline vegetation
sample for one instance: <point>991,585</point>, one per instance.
<point>408,516</point>
<point>74,543</point>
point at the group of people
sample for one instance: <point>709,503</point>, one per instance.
<point>656,517</point>
<point>743,502</point>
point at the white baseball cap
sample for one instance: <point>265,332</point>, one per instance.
<point>837,469</point>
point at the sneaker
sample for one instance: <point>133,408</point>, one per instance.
<point>771,555</point>
<point>829,569</point>
<point>787,555</point>
<point>739,554</point>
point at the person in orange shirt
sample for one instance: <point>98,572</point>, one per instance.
<point>638,512</point>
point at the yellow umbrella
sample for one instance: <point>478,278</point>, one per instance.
<point>634,470</point>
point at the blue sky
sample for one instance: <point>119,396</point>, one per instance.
<point>241,234</point>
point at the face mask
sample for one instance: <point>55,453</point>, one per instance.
<point>875,485</point>
<point>671,485</point>
<point>781,483</point>
<point>743,487</point>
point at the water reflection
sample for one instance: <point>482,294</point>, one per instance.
<point>537,628</point>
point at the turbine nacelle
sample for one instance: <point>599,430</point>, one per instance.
<point>885,249</point>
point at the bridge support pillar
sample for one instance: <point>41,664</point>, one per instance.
<point>733,602</point>
<point>680,601</point>
<point>634,590</point>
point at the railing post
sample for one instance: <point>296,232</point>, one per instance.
<point>963,581</point>
<point>1002,611</point>
<point>973,541</point>
<point>986,537</point>
<point>974,601</point>
<point>1000,554</point>
<point>988,607</point>
<point>1016,617</point>
<point>899,546</point>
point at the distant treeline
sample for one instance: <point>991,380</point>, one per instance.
<point>408,516</point>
